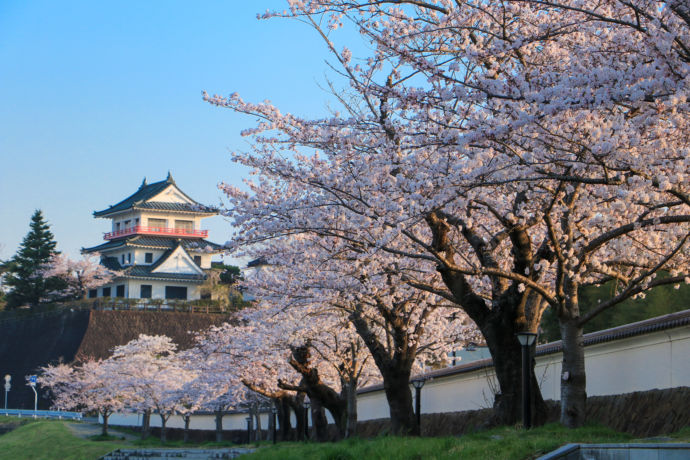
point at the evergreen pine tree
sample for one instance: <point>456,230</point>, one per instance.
<point>24,277</point>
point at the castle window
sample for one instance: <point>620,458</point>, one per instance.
<point>176,292</point>
<point>145,291</point>
<point>158,223</point>
<point>197,260</point>
<point>120,291</point>
<point>187,225</point>
<point>148,257</point>
<point>129,257</point>
<point>106,292</point>
<point>93,293</point>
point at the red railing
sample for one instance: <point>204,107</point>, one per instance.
<point>161,231</point>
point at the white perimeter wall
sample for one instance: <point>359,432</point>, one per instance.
<point>652,361</point>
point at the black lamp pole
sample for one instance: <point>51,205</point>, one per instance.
<point>526,340</point>
<point>274,411</point>
<point>307,405</point>
<point>418,384</point>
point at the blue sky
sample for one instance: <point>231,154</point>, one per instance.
<point>96,95</point>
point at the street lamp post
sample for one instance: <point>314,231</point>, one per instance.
<point>32,384</point>
<point>418,383</point>
<point>526,339</point>
<point>274,412</point>
<point>8,378</point>
<point>307,405</point>
<point>249,429</point>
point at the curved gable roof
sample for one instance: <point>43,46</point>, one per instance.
<point>149,191</point>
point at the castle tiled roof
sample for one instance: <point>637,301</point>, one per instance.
<point>148,191</point>
<point>143,241</point>
<point>146,271</point>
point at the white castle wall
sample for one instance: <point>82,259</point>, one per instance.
<point>655,360</point>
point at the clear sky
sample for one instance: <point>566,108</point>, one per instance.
<point>96,95</point>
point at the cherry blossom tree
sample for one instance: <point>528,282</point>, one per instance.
<point>525,148</point>
<point>149,370</point>
<point>89,386</point>
<point>401,327</point>
<point>249,357</point>
<point>320,345</point>
<point>80,275</point>
<point>62,382</point>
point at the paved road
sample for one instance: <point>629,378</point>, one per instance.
<point>86,430</point>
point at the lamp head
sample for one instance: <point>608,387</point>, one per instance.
<point>526,338</point>
<point>418,383</point>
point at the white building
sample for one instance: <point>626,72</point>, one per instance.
<point>156,242</point>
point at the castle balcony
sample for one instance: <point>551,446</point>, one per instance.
<point>156,231</point>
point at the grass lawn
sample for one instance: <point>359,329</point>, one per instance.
<point>496,444</point>
<point>50,440</point>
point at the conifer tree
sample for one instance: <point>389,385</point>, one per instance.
<point>25,278</point>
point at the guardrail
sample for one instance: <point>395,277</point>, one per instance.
<point>41,414</point>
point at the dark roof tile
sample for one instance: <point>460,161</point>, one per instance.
<point>190,244</point>
<point>146,271</point>
<point>147,191</point>
<point>670,321</point>
<point>181,207</point>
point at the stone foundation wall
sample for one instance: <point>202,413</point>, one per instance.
<point>642,414</point>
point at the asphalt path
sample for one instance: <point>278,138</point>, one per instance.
<point>86,430</point>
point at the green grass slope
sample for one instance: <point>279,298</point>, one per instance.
<point>496,444</point>
<point>50,440</point>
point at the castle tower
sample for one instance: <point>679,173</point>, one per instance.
<point>156,242</point>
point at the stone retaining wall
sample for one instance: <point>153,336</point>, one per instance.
<point>642,414</point>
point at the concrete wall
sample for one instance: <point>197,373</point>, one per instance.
<point>652,361</point>
<point>656,360</point>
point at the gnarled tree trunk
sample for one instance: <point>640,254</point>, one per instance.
<point>164,422</point>
<point>395,369</point>
<point>219,425</point>
<point>146,424</point>
<point>573,376</point>
<point>284,422</point>
<point>186,418</point>
<point>106,416</point>
<point>319,428</point>
<point>506,353</point>
<point>320,394</point>
<point>350,390</point>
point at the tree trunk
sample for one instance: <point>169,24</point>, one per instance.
<point>219,426</point>
<point>395,371</point>
<point>506,353</point>
<point>399,397</point>
<point>318,392</point>
<point>186,419</point>
<point>350,389</point>
<point>271,429</point>
<point>299,411</point>
<point>257,431</point>
<point>146,424</point>
<point>510,312</point>
<point>164,420</point>
<point>573,376</point>
<point>284,422</point>
<point>319,428</point>
<point>105,415</point>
